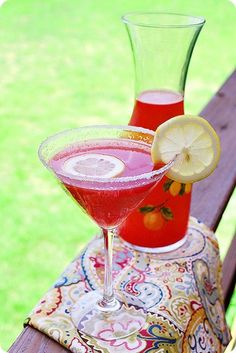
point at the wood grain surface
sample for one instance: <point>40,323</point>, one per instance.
<point>33,341</point>
<point>210,198</point>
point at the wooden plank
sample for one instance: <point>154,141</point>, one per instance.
<point>229,272</point>
<point>33,341</point>
<point>210,198</point>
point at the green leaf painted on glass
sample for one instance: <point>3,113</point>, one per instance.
<point>182,190</point>
<point>167,184</point>
<point>147,209</point>
<point>167,213</point>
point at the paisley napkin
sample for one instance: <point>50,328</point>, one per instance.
<point>180,289</point>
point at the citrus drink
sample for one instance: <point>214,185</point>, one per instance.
<point>108,204</point>
<point>154,107</point>
<point>162,218</point>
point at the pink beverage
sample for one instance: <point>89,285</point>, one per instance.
<point>108,203</point>
<point>162,218</point>
<point>153,107</point>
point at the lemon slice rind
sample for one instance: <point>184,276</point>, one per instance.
<point>193,142</point>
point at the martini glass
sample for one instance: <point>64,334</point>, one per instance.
<point>78,158</point>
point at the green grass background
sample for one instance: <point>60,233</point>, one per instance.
<point>65,64</point>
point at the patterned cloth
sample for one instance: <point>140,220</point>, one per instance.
<point>180,289</point>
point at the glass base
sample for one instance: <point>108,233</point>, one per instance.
<point>159,250</point>
<point>122,321</point>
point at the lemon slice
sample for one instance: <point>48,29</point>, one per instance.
<point>195,143</point>
<point>94,165</point>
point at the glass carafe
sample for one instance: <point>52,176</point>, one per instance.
<point>162,45</point>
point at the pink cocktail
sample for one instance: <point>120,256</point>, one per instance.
<point>162,45</point>
<point>162,217</point>
<point>154,107</point>
<point>108,171</point>
<point>97,199</point>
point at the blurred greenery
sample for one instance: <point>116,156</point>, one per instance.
<point>65,64</point>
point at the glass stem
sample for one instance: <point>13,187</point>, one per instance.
<point>108,302</point>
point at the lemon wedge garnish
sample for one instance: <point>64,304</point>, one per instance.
<point>93,165</point>
<point>193,142</point>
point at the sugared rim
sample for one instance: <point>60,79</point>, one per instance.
<point>144,176</point>
<point>129,18</point>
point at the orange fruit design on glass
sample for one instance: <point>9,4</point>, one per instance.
<point>162,218</point>
<point>155,216</point>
